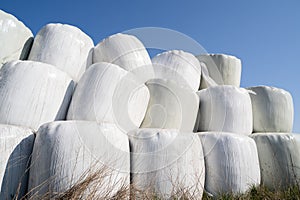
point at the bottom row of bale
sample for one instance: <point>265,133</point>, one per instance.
<point>163,161</point>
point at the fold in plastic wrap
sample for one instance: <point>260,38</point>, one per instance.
<point>124,50</point>
<point>223,69</point>
<point>167,162</point>
<point>225,108</point>
<point>174,65</point>
<point>171,106</point>
<point>15,38</point>
<point>206,80</point>
<point>67,153</point>
<point>279,159</point>
<point>231,162</point>
<point>16,145</point>
<point>33,93</point>
<point>273,109</point>
<point>64,46</point>
<point>107,93</point>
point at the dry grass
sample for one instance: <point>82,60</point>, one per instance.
<point>92,185</point>
<point>261,192</point>
<point>87,189</point>
<point>89,183</point>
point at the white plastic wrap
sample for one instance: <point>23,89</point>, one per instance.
<point>223,69</point>
<point>279,159</point>
<point>64,46</point>
<point>16,145</point>
<point>296,136</point>
<point>124,50</point>
<point>273,109</point>
<point>167,162</point>
<point>98,98</point>
<point>65,153</point>
<point>33,93</point>
<point>176,65</point>
<point>231,162</point>
<point>225,108</point>
<point>206,80</point>
<point>171,106</point>
<point>15,38</point>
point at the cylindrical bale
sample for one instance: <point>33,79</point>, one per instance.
<point>171,106</point>
<point>223,69</point>
<point>225,108</point>
<point>15,39</point>
<point>176,65</point>
<point>94,158</point>
<point>231,162</point>
<point>124,50</point>
<point>108,93</point>
<point>273,109</point>
<point>166,163</point>
<point>64,46</point>
<point>279,159</point>
<point>33,93</point>
<point>16,145</point>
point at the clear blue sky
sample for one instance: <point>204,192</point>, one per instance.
<point>264,34</point>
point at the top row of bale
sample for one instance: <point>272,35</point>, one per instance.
<point>255,109</point>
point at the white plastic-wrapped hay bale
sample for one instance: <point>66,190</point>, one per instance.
<point>225,108</point>
<point>279,159</point>
<point>16,145</point>
<point>124,50</point>
<point>64,46</point>
<point>67,153</point>
<point>223,69</point>
<point>176,65</point>
<point>171,106</point>
<point>33,93</point>
<point>15,38</point>
<point>231,162</point>
<point>167,163</point>
<point>273,109</point>
<point>106,93</point>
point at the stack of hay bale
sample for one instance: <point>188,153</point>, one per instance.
<point>278,149</point>
<point>272,111</point>
<point>37,92</point>
<point>224,124</point>
<point>173,125</point>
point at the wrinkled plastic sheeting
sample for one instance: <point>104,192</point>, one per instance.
<point>273,109</point>
<point>225,108</point>
<point>175,64</point>
<point>167,162</point>
<point>67,153</point>
<point>124,50</point>
<point>16,145</point>
<point>223,69</point>
<point>33,93</point>
<point>231,162</point>
<point>15,39</point>
<point>64,46</point>
<point>206,80</point>
<point>171,106</point>
<point>108,93</point>
<point>279,159</point>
